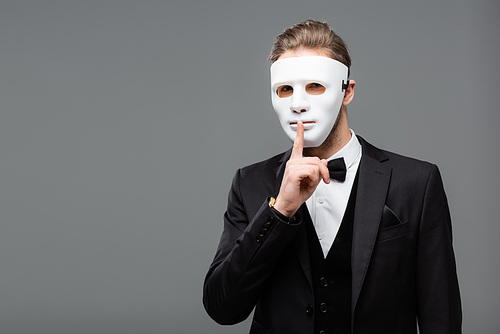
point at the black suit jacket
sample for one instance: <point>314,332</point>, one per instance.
<point>403,266</point>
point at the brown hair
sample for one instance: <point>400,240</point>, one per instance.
<point>311,34</point>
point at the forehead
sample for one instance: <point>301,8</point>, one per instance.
<point>323,69</point>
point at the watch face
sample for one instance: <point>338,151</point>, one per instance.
<point>308,89</point>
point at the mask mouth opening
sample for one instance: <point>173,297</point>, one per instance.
<point>303,122</point>
<point>307,125</point>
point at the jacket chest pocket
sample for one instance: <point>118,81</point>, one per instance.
<point>392,232</point>
<point>391,226</point>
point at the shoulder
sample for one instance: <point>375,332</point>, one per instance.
<point>403,167</point>
<point>254,183</point>
<point>261,168</point>
<point>408,163</point>
<point>394,159</point>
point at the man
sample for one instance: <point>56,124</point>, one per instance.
<point>334,235</point>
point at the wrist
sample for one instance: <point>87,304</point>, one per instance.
<point>277,205</point>
<point>287,219</point>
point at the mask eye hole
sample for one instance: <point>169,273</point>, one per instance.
<point>315,88</point>
<point>284,91</point>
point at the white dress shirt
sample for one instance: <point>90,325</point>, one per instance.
<point>329,201</point>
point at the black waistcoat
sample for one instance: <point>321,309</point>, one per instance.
<point>332,275</point>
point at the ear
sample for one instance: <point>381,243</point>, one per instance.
<point>349,93</point>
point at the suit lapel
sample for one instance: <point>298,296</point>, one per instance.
<point>373,184</point>
<point>299,241</point>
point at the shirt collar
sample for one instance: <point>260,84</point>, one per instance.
<point>351,152</point>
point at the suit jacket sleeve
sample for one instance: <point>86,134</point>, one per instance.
<point>251,243</point>
<point>438,296</point>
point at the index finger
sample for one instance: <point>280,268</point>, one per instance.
<point>298,143</point>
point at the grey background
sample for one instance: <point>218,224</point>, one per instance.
<point>123,122</point>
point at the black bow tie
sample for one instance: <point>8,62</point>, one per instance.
<point>337,169</point>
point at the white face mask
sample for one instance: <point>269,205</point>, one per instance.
<point>308,89</point>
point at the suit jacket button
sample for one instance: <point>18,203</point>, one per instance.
<point>322,332</point>
<point>323,308</point>
<point>309,310</point>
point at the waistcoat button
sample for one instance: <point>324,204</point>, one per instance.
<point>323,308</point>
<point>309,310</point>
<point>323,281</point>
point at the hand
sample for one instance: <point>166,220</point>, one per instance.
<point>302,176</point>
